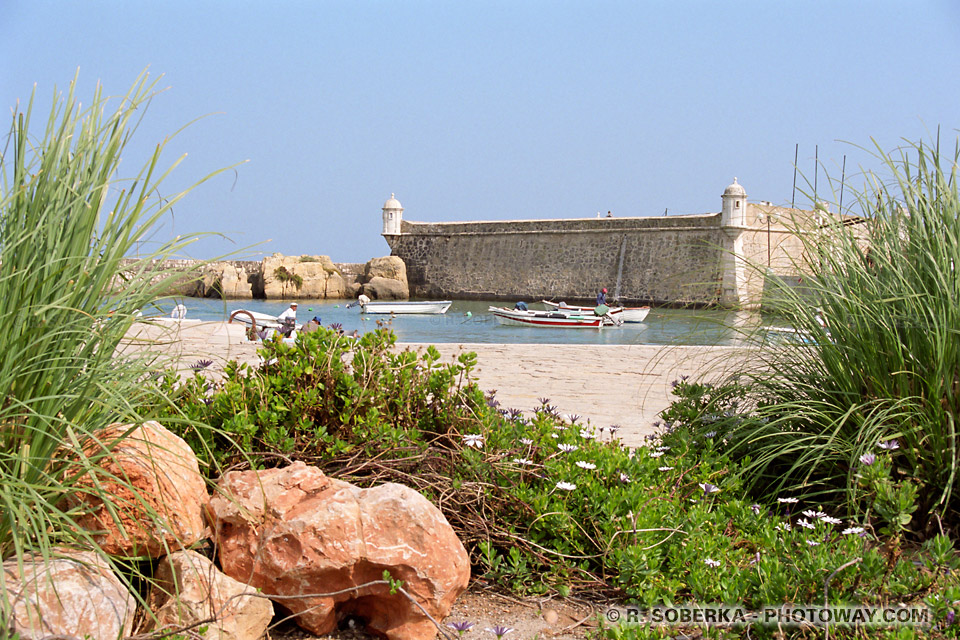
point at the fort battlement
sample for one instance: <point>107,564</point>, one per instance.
<point>700,259</point>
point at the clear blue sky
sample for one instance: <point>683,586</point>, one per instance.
<point>492,110</point>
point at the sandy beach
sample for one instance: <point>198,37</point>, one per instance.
<point>608,384</point>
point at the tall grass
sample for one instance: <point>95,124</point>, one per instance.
<point>67,222</point>
<point>888,364</point>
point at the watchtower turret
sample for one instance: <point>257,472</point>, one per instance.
<point>392,216</point>
<point>734,211</point>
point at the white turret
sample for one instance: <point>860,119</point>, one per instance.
<point>392,215</point>
<point>734,212</point>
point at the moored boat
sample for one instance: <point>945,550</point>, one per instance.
<point>556,319</point>
<point>626,314</point>
<point>398,307</point>
<point>255,319</point>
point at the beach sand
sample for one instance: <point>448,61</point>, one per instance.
<point>627,385</point>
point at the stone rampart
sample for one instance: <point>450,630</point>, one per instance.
<point>666,261</point>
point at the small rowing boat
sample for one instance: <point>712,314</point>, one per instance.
<point>555,319</point>
<point>626,314</point>
<point>432,307</point>
<point>255,319</point>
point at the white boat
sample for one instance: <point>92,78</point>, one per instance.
<point>435,306</point>
<point>257,320</point>
<point>556,319</point>
<point>626,314</point>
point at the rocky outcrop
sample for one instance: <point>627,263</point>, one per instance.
<point>295,277</point>
<point>157,495</point>
<point>72,594</point>
<point>280,277</point>
<point>386,289</point>
<point>386,279</point>
<point>190,589</point>
<point>229,281</point>
<point>390,267</point>
<point>296,532</point>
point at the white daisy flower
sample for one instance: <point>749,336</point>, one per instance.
<point>473,440</point>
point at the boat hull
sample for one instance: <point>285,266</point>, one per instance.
<point>517,318</point>
<point>429,307</point>
<point>625,314</point>
<point>255,318</point>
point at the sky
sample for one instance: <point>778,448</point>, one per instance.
<point>490,110</point>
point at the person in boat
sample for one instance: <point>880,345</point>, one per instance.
<point>362,300</point>
<point>520,306</point>
<point>602,297</point>
<point>288,320</point>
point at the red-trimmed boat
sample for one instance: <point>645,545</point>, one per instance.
<point>626,314</point>
<point>556,319</point>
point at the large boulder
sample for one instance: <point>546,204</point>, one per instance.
<point>293,277</point>
<point>336,286</point>
<point>386,289</point>
<point>386,279</point>
<point>296,532</point>
<point>71,594</point>
<point>390,267</point>
<point>226,280</point>
<point>156,493</point>
<point>188,588</point>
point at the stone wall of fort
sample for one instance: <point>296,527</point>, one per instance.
<point>706,259</point>
<point>671,260</point>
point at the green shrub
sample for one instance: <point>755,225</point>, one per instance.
<point>542,502</point>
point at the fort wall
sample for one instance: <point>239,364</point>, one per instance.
<point>672,260</point>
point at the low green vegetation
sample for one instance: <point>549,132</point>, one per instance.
<point>287,277</point>
<point>551,503</point>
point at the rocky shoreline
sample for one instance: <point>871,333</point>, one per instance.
<point>280,277</point>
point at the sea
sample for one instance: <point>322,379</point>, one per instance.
<point>470,321</point>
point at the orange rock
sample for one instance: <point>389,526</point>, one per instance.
<point>159,501</point>
<point>296,532</point>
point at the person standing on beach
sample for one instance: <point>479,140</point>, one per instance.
<point>602,297</point>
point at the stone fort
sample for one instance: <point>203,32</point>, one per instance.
<point>710,259</point>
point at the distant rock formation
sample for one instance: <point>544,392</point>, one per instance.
<point>313,277</point>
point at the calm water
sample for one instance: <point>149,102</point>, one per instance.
<point>469,321</point>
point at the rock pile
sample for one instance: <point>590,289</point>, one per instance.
<point>295,534</point>
<point>280,277</point>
